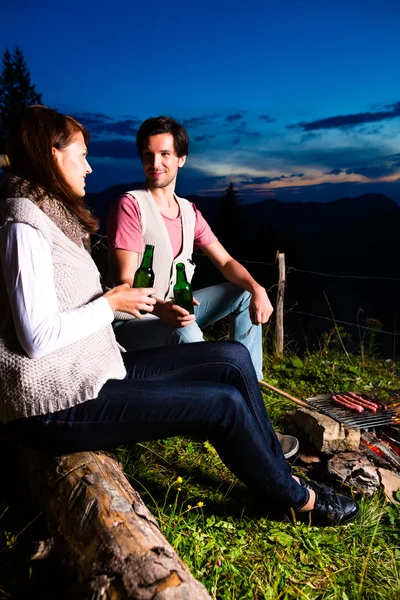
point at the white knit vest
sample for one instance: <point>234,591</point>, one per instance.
<point>155,232</point>
<point>70,375</point>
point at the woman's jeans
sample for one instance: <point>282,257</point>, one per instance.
<point>216,302</point>
<point>204,389</point>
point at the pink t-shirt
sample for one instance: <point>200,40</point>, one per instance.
<point>124,231</point>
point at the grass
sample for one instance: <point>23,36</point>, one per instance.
<point>207,515</point>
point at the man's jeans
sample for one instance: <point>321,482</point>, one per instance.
<point>216,302</point>
<point>203,389</point>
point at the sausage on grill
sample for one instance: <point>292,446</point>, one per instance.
<point>340,401</point>
<point>364,402</point>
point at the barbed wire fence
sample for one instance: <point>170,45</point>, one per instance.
<point>283,275</point>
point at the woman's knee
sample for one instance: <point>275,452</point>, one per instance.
<point>235,353</point>
<point>232,409</point>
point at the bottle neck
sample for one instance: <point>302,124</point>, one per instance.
<point>147,260</point>
<point>180,275</point>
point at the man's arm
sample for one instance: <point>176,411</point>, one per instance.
<point>123,264</point>
<point>260,306</point>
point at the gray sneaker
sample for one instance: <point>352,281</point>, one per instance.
<point>289,443</point>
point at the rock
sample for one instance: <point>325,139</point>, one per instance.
<point>390,483</point>
<point>355,470</point>
<point>308,459</point>
<point>326,434</point>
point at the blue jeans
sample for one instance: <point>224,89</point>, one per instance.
<point>216,302</point>
<point>202,389</point>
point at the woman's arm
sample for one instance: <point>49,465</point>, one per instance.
<point>28,270</point>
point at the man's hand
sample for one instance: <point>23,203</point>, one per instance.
<point>173,315</point>
<point>131,300</point>
<point>260,307</point>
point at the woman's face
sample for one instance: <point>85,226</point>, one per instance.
<point>73,164</point>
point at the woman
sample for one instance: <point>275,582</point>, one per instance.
<point>64,385</point>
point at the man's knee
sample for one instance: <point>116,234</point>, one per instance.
<point>187,335</point>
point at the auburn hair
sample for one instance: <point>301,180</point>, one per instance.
<point>29,145</point>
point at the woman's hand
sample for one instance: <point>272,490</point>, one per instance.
<point>131,300</point>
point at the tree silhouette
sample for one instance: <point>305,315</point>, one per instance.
<point>227,225</point>
<point>16,90</point>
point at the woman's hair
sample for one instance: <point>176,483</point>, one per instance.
<point>29,146</point>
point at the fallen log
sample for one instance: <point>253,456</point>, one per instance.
<point>104,532</point>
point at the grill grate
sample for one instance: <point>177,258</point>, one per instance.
<point>324,405</point>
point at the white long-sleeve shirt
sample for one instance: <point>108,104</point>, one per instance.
<point>28,270</point>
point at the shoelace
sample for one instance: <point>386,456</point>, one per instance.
<point>330,503</point>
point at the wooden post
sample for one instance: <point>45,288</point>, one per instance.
<point>279,305</point>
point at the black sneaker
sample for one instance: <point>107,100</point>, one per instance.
<point>329,509</point>
<point>313,485</point>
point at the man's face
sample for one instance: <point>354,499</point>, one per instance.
<point>160,162</point>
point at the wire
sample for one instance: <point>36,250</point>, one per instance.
<point>299,312</point>
<point>296,270</point>
<point>289,269</point>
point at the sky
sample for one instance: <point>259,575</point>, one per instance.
<point>290,99</point>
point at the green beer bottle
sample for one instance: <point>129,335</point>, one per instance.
<point>144,276</point>
<point>183,290</point>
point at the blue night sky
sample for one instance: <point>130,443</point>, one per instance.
<point>297,99</point>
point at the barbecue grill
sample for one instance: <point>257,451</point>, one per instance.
<point>366,420</point>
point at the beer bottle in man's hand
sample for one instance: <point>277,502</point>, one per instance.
<point>183,290</point>
<point>144,276</point>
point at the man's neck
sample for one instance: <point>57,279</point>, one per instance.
<point>164,197</point>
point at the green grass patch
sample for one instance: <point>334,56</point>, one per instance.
<point>207,515</point>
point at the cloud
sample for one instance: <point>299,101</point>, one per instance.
<point>334,172</point>
<point>238,116</point>
<point>395,159</point>
<point>94,116</point>
<point>242,131</point>
<point>266,119</point>
<point>264,179</point>
<point>100,124</point>
<point>118,148</point>
<point>205,137</point>
<point>196,122</point>
<point>343,121</point>
<point>126,127</point>
<point>374,172</point>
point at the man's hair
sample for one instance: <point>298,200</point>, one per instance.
<point>157,125</point>
<point>29,146</point>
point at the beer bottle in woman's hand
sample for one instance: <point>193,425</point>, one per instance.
<point>183,290</point>
<point>144,276</point>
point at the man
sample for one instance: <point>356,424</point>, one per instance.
<point>154,215</point>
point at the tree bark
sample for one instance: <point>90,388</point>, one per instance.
<point>104,532</point>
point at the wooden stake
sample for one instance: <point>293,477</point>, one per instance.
<point>284,394</point>
<point>279,305</point>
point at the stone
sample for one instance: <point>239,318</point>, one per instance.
<point>326,434</point>
<point>308,459</point>
<point>390,483</point>
<point>354,469</point>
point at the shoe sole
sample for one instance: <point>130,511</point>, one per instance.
<point>288,439</point>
